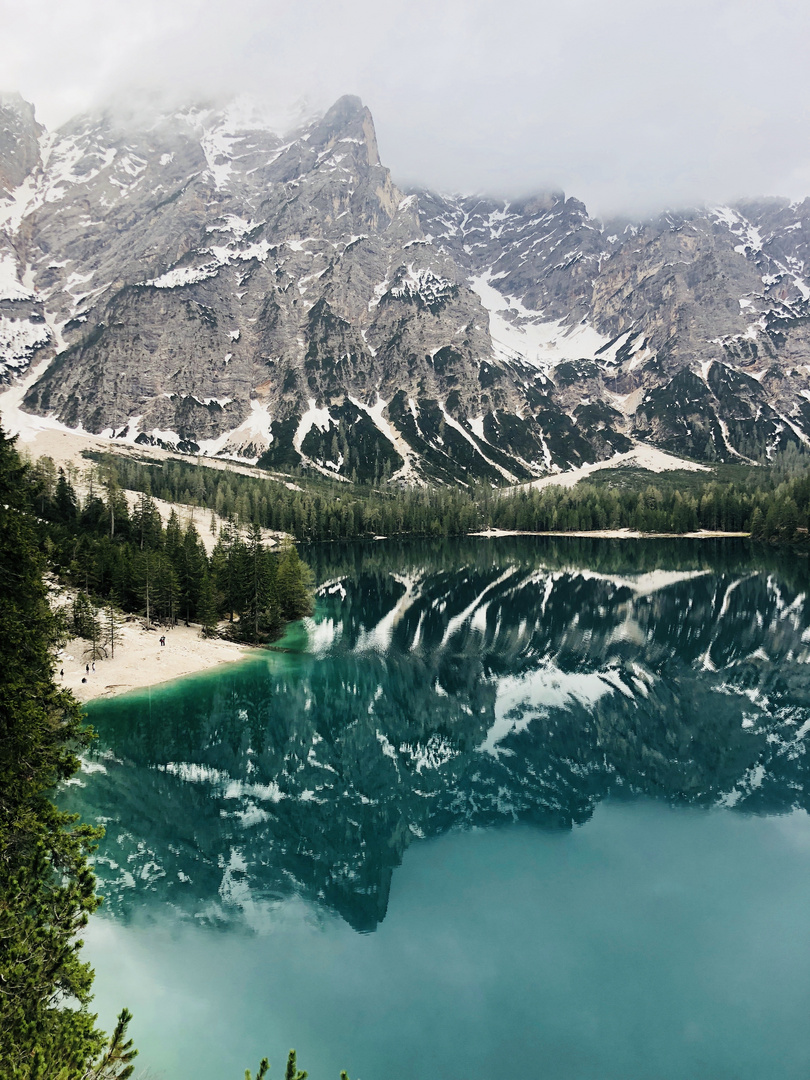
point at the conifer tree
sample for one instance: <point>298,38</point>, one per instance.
<point>109,478</point>
<point>191,565</point>
<point>173,537</point>
<point>256,587</point>
<point>112,625</point>
<point>293,585</point>
<point>227,567</point>
<point>145,574</point>
<point>116,1060</point>
<point>43,472</point>
<point>84,617</point>
<point>146,524</point>
<point>757,524</point>
<point>46,886</point>
<point>95,649</point>
<point>207,608</point>
<point>65,503</point>
<point>166,589</point>
<point>293,1072</point>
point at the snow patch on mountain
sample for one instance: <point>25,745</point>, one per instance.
<point>518,332</point>
<point>184,275</point>
<point>19,340</point>
<point>11,288</point>
<point>642,456</point>
<point>246,442</point>
<point>424,285</point>
<point>180,276</point>
<point>453,423</point>
<point>313,417</point>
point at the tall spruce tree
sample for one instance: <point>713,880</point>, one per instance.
<point>191,564</point>
<point>207,608</point>
<point>256,588</point>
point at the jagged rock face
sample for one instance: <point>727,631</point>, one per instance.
<point>19,141</point>
<point>206,283</point>
<point>720,293</point>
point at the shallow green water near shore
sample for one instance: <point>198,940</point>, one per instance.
<point>526,805</point>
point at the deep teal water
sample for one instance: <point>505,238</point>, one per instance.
<point>524,807</point>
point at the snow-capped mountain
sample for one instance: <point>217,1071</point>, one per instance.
<point>199,280</point>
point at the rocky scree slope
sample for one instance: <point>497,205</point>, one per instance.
<point>200,281</point>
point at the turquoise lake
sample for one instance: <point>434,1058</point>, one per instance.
<point>526,806</point>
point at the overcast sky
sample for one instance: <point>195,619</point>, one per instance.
<point>632,105</point>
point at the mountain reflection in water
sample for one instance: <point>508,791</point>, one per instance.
<point>446,686</point>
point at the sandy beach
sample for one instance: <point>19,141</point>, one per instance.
<point>616,534</point>
<point>140,660</point>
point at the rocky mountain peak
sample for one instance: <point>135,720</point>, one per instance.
<point>347,121</point>
<point>19,141</point>
<point>204,281</point>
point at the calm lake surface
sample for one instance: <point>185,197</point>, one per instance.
<point>523,807</point>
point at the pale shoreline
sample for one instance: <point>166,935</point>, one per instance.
<point>141,661</point>
<point>615,534</point>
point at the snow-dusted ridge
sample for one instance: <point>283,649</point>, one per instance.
<point>214,278</point>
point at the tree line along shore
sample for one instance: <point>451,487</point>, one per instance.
<point>771,503</point>
<point>119,559</point>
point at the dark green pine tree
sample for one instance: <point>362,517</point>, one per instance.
<point>46,886</point>
<point>173,537</point>
<point>146,526</point>
<point>256,589</point>
<point>116,1061</point>
<point>43,473</point>
<point>166,589</point>
<point>293,585</point>
<point>65,503</point>
<point>84,617</point>
<point>109,479</point>
<point>228,570</point>
<point>111,629</point>
<point>95,649</point>
<point>788,519</point>
<point>207,609</point>
<point>191,564</point>
<point>144,575</point>
<point>757,524</point>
